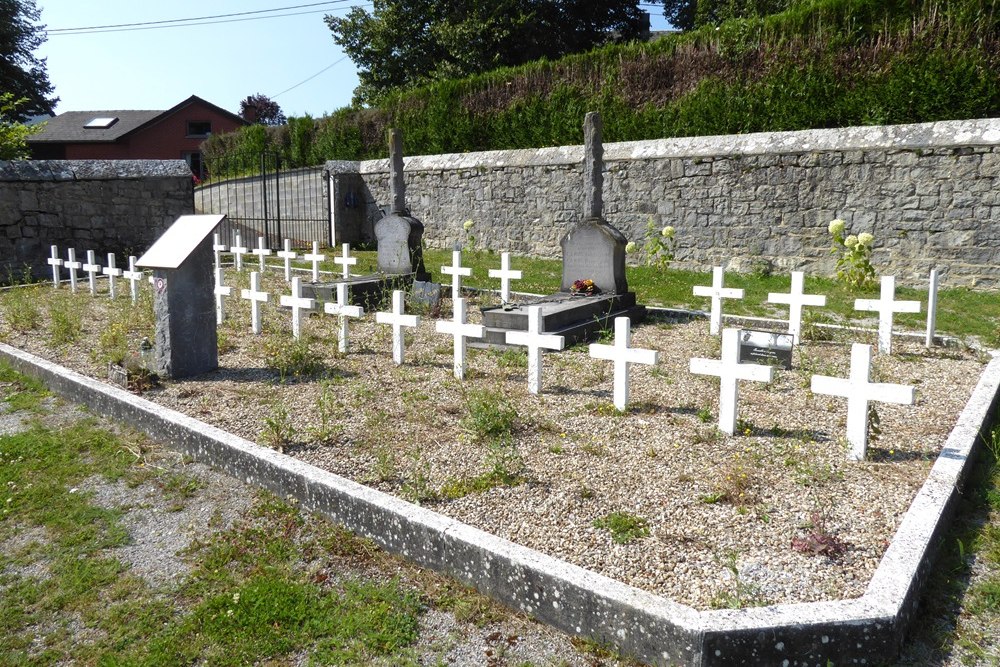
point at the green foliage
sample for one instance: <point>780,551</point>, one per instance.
<point>292,357</point>
<point>65,317</point>
<point>491,417</point>
<point>624,527</point>
<point>22,73</point>
<point>659,245</point>
<point>854,257</point>
<point>14,135</point>
<point>278,430</point>
<point>20,308</point>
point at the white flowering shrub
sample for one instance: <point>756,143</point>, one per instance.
<point>854,256</point>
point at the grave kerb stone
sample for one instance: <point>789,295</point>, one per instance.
<point>256,297</point>
<point>111,271</point>
<point>459,328</point>
<point>535,341</point>
<point>342,309</point>
<point>795,300</point>
<point>297,303</point>
<point>717,293</point>
<point>398,319</point>
<point>55,262</point>
<point>623,355</point>
<point>730,371</point>
<point>886,306</point>
<point>505,274</point>
<point>859,392</point>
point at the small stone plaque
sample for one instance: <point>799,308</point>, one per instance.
<point>426,293</point>
<point>766,347</point>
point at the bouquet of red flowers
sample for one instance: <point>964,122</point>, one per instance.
<point>586,287</point>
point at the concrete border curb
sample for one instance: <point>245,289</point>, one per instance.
<point>866,630</point>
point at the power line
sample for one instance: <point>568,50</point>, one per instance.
<point>310,78</point>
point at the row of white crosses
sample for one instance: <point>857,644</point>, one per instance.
<point>457,271</point>
<point>857,388</point>
<point>93,269</point>
<point>238,250</point>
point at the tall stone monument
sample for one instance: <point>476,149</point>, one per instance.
<point>186,341</point>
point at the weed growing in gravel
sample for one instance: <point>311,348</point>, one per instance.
<point>21,310</point>
<point>742,594</point>
<point>737,482</point>
<point>65,317</point>
<point>491,416</point>
<point>624,527</point>
<point>278,431</point>
<point>704,415</point>
<point>505,468</point>
<point>819,539</point>
<point>326,406</point>
<point>417,485</point>
<point>292,357</point>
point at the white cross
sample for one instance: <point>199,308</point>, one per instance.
<point>859,391</point>
<point>133,277</point>
<point>505,275</point>
<point>795,300</point>
<point>886,306</point>
<point>55,262</point>
<point>93,269</point>
<point>345,260</point>
<point>623,356</point>
<point>315,258</point>
<point>288,255</point>
<point>221,291</point>
<point>297,303</point>
<point>718,293</point>
<point>398,320</point>
<point>932,294</point>
<point>460,329</point>
<point>256,297</point>
<point>535,340</point>
<point>261,251</point>
<point>217,248</point>
<point>343,310</point>
<point>238,252</point>
<point>456,271</point>
<point>72,265</point>
<point>112,272</point>
<point>730,371</point>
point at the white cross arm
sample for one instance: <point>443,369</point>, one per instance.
<point>395,319</point>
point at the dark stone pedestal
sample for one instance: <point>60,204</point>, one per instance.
<point>563,314</point>
<point>372,292</point>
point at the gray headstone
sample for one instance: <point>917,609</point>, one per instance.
<point>182,260</point>
<point>594,249</point>
<point>593,165</point>
<point>398,235</point>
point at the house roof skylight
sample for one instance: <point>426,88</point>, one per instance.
<point>101,123</point>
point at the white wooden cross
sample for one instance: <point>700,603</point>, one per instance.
<point>456,271</point>
<point>345,260</point>
<point>315,258</point>
<point>535,340</point>
<point>505,274</point>
<point>221,291</point>
<point>55,262</point>
<point>288,255</point>
<point>217,248</point>
<point>398,319</point>
<point>886,306</point>
<point>238,252</point>
<point>261,251</point>
<point>460,329</point>
<point>133,277</point>
<point>92,268</point>
<point>112,272</point>
<point>730,371</point>
<point>72,265</point>
<point>623,356</point>
<point>859,391</point>
<point>717,293</point>
<point>795,300</point>
<point>342,310</point>
<point>297,303</point>
<point>256,297</point>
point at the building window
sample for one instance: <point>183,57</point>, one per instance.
<point>199,128</point>
<point>195,162</point>
<point>101,123</point>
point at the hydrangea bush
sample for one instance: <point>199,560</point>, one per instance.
<point>658,246</point>
<point>854,261</point>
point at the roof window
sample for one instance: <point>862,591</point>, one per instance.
<point>100,123</point>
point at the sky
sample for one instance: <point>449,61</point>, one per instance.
<point>288,54</point>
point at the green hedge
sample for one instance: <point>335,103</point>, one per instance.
<point>820,64</point>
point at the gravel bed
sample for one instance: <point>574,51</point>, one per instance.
<point>774,514</point>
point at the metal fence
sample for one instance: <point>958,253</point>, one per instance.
<point>260,197</point>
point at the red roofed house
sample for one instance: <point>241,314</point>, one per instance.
<point>176,133</point>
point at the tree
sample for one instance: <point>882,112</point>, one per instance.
<point>22,75</point>
<point>688,14</point>
<point>13,134</point>
<point>261,110</point>
<point>407,43</point>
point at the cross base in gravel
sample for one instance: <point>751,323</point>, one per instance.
<point>730,371</point>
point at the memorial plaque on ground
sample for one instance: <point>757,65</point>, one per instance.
<point>766,347</point>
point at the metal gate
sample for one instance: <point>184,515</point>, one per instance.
<point>260,197</point>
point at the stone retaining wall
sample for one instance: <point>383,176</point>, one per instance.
<point>930,193</point>
<point>119,206</point>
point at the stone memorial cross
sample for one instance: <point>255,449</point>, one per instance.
<point>238,251</point>
<point>398,319</point>
<point>72,265</point>
<point>261,251</point>
<point>456,271</point>
<point>221,291</point>
<point>255,297</point>
<point>623,356</point>
<point>342,309</point>
<point>717,293</point>
<point>460,329</point>
<point>134,277</point>
<point>297,303</point>
<point>92,268</point>
<point>886,306</point>
<point>315,258</point>
<point>505,274</point>
<point>345,260</point>
<point>795,300</point>
<point>288,255</point>
<point>730,371</point>
<point>55,262</point>
<point>112,272</point>
<point>593,166</point>
<point>859,392</point>
<point>535,340</point>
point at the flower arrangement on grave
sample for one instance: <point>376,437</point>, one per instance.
<point>584,287</point>
<point>854,261</point>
